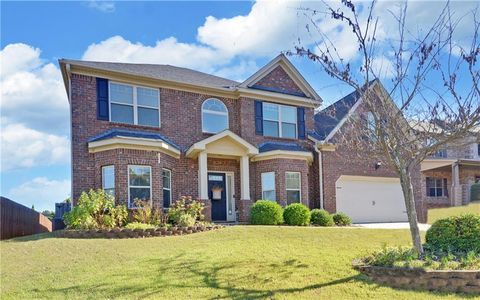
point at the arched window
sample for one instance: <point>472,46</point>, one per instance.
<point>214,116</point>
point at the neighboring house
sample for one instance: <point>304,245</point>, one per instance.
<point>357,183</point>
<point>450,172</point>
<point>157,132</point>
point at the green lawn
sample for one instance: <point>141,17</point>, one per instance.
<point>240,262</point>
<point>440,213</point>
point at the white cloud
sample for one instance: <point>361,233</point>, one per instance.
<point>239,71</point>
<point>24,147</point>
<point>103,6</point>
<point>32,91</point>
<point>41,192</point>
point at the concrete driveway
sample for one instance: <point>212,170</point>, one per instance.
<point>399,225</point>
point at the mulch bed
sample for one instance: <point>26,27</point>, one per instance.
<point>122,233</point>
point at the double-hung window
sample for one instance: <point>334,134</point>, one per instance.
<point>436,187</point>
<point>167,187</point>
<point>293,187</point>
<point>108,180</point>
<point>279,120</point>
<point>139,184</point>
<point>134,104</point>
<point>268,186</point>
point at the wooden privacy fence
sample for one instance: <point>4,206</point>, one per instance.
<point>18,220</point>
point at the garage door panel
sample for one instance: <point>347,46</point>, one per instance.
<point>371,199</point>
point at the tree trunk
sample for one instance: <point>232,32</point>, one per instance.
<point>407,188</point>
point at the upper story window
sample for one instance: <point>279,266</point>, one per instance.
<point>279,120</point>
<point>214,116</point>
<point>134,104</point>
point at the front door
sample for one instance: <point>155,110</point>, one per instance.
<point>218,196</point>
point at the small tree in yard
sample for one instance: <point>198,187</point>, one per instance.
<point>432,99</point>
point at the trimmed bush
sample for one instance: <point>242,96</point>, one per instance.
<point>296,214</point>
<point>455,234</point>
<point>265,212</point>
<point>341,219</point>
<point>321,217</point>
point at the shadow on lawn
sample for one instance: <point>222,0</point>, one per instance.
<point>196,275</point>
<point>33,237</point>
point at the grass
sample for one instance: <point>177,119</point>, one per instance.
<point>440,213</point>
<point>240,262</point>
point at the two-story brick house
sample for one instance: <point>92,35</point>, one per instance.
<point>449,173</point>
<point>157,132</point>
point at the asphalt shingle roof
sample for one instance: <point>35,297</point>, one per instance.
<point>328,118</point>
<point>162,72</point>
<point>271,146</point>
<point>112,133</point>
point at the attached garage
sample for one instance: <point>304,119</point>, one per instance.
<point>370,199</point>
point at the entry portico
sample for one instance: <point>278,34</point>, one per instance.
<point>224,145</point>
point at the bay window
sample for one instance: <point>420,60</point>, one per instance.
<point>268,186</point>
<point>167,187</point>
<point>139,184</point>
<point>108,180</point>
<point>134,104</point>
<point>293,187</point>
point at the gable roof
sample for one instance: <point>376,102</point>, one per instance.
<point>163,72</point>
<point>282,61</point>
<point>328,120</point>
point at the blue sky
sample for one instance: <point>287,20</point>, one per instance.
<point>229,39</point>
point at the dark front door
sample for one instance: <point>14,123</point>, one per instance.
<point>218,196</point>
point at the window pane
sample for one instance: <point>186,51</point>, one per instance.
<point>121,93</point>
<point>270,111</point>
<point>108,177</point>
<point>122,113</point>
<point>270,128</point>
<point>268,181</point>
<point>431,192</point>
<point>166,179</point>
<point>293,197</point>
<point>269,195</point>
<point>215,105</point>
<point>289,114</point>
<point>139,175</point>
<point>147,97</point>
<point>289,130</point>
<point>439,192</point>
<point>214,123</point>
<point>166,198</point>
<point>292,180</point>
<point>142,194</point>
<point>148,116</point>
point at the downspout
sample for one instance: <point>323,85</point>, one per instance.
<point>320,175</point>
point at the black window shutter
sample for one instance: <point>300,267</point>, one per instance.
<point>258,117</point>
<point>301,122</point>
<point>102,99</point>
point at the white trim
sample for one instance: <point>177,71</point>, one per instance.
<point>299,185</point>
<point>170,183</point>
<point>196,148</point>
<point>282,61</point>
<point>134,104</point>
<point>132,143</point>
<point>279,154</point>
<point>274,185</point>
<point>279,120</point>
<point>213,112</point>
<point>244,178</point>
<point>137,186</point>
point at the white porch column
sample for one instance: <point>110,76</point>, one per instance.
<point>244,178</point>
<point>203,175</point>
<point>456,199</point>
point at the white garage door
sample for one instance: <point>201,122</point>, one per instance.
<point>371,199</point>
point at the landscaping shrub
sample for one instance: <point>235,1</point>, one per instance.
<point>265,212</point>
<point>186,220</point>
<point>186,206</point>
<point>296,214</point>
<point>138,225</point>
<point>96,210</point>
<point>341,219</point>
<point>144,213</point>
<point>321,217</point>
<point>455,234</point>
<point>475,192</point>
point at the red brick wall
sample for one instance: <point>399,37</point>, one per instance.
<point>279,166</point>
<point>279,79</point>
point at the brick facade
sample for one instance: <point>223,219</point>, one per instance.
<point>278,79</point>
